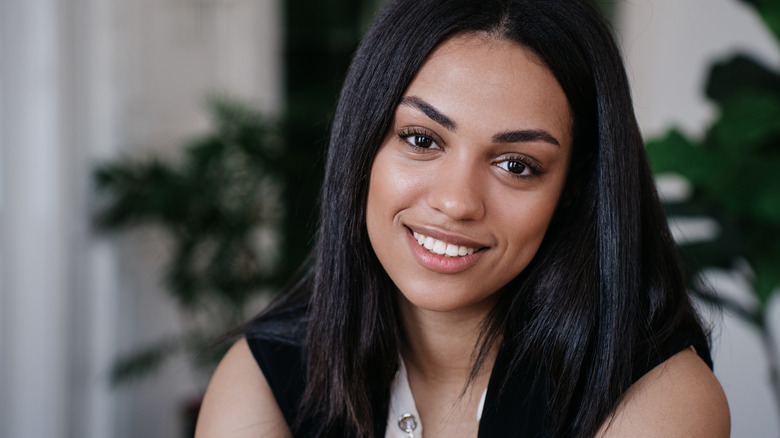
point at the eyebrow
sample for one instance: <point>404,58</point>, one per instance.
<point>525,136</point>
<point>430,111</point>
<point>515,136</point>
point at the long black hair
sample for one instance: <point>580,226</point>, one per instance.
<point>605,286</point>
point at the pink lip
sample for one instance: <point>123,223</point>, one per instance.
<point>440,263</point>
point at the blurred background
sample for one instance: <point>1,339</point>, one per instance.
<point>160,160</point>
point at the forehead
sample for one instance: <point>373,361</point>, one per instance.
<point>504,82</point>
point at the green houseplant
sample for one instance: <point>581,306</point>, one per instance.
<point>221,205</point>
<point>210,202</point>
<point>732,171</point>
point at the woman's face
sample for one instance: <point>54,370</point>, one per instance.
<point>467,179</point>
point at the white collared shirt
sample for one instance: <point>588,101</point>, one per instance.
<point>402,404</point>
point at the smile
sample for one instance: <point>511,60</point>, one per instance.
<point>441,247</point>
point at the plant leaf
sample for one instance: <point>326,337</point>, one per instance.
<point>739,74</point>
<point>769,10</point>
<point>143,361</point>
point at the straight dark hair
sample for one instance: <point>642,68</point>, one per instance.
<point>605,286</point>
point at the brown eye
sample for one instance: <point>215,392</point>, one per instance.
<point>520,167</point>
<point>515,167</point>
<point>418,138</point>
<point>422,141</point>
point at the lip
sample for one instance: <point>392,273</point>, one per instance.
<point>440,263</point>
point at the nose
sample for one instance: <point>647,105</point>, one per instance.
<point>457,190</point>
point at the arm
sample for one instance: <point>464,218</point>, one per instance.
<point>678,398</point>
<point>238,402</point>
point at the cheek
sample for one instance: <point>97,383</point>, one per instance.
<point>385,199</point>
<point>377,192</point>
<point>383,189</point>
<point>525,225</point>
<point>392,188</point>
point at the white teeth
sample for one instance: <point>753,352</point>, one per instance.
<point>452,250</point>
<point>442,248</point>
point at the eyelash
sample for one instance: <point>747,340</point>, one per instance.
<point>405,133</point>
<point>529,163</point>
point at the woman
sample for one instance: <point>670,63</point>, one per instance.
<point>492,258</point>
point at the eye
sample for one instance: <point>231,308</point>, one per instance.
<point>418,138</point>
<point>519,166</point>
<point>420,141</point>
<point>514,167</point>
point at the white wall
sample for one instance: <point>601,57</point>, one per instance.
<point>669,46</point>
<point>80,82</point>
<point>34,319</point>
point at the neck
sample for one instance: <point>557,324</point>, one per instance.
<point>439,347</point>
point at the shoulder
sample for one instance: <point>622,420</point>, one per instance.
<point>239,402</point>
<point>678,398</point>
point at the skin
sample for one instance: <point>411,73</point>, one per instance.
<point>444,171</point>
<point>678,398</point>
<point>238,402</point>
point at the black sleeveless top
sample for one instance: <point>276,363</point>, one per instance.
<point>521,411</point>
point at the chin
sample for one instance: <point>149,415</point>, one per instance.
<point>447,301</point>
